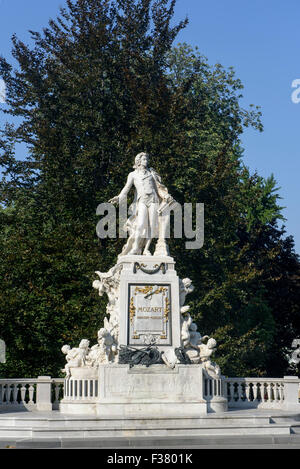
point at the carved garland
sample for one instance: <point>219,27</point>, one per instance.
<point>143,268</point>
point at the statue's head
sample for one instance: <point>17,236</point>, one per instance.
<point>102,333</point>
<point>84,344</point>
<point>212,343</point>
<point>187,283</point>
<point>142,159</point>
<point>65,349</point>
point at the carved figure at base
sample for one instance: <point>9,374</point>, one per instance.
<point>185,327</point>
<point>194,344</point>
<point>206,351</point>
<point>109,283</point>
<point>75,357</point>
<point>104,351</point>
<point>190,336</point>
<point>185,287</point>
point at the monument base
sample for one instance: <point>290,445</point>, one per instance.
<point>140,392</point>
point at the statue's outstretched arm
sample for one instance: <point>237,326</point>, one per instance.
<point>124,191</point>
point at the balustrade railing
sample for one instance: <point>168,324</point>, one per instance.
<point>22,393</point>
<point>212,387</point>
<point>58,385</point>
<point>81,389</point>
<point>266,393</point>
<point>45,393</point>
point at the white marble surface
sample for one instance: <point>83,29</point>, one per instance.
<point>136,277</point>
<point>149,212</point>
<point>61,425</point>
<point>154,384</point>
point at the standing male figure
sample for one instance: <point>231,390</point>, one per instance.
<point>150,194</point>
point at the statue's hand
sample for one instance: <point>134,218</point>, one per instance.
<point>114,200</point>
<point>205,337</point>
<point>169,199</point>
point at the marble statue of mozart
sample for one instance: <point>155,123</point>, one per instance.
<point>150,200</point>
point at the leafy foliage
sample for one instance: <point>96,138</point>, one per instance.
<point>102,83</point>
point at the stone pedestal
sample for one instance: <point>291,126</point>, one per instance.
<point>141,392</point>
<point>146,309</point>
<point>149,302</point>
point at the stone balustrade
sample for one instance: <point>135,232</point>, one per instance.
<point>81,389</point>
<point>214,393</point>
<point>266,393</point>
<point>43,393</point>
<point>212,387</point>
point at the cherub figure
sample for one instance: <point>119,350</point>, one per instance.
<point>75,357</point>
<point>190,336</point>
<point>185,328</point>
<point>104,351</point>
<point>185,287</point>
<point>195,336</point>
<point>206,351</point>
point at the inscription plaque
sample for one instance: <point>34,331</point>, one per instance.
<point>149,311</point>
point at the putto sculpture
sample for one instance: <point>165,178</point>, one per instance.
<point>104,351</point>
<point>76,357</point>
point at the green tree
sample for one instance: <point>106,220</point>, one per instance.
<point>89,94</point>
<point>235,286</point>
<point>101,83</point>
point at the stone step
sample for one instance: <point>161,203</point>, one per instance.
<point>295,428</point>
<point>152,443</point>
<point>55,419</point>
<point>93,432</point>
<point>285,418</point>
<point>127,424</point>
<point>56,425</point>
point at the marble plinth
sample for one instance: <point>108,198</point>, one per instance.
<point>141,392</point>
<point>149,301</point>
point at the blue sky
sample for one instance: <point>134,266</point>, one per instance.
<point>260,39</point>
